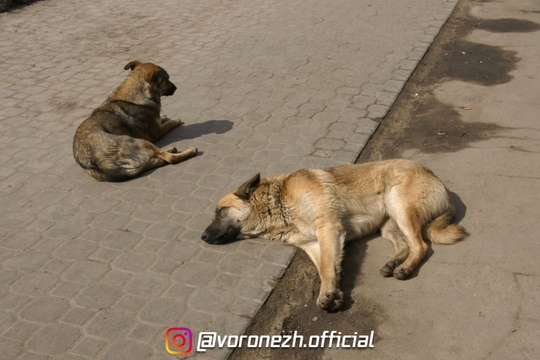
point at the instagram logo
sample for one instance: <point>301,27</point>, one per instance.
<point>178,340</point>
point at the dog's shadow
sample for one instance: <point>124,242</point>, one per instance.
<point>188,132</point>
<point>461,208</point>
<point>195,130</point>
<point>353,256</point>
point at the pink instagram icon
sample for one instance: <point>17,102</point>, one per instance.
<point>178,340</point>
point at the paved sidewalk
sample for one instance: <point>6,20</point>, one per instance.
<point>100,271</point>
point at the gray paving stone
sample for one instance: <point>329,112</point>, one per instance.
<point>179,292</point>
<point>127,349</point>
<point>245,307</point>
<point>19,240</point>
<point>145,332</point>
<point>67,289</point>
<point>122,240</point>
<point>78,316</point>
<point>227,280</point>
<point>35,284</point>
<point>150,245</point>
<point>110,221</point>
<point>10,348</point>
<point>32,356</point>
<point>194,274</point>
<point>105,255</point>
<point>133,260</point>
<point>178,251</point>
<point>256,289</point>
<point>56,266</point>
<point>162,311</point>
<point>239,264</point>
<point>272,271</point>
<point>45,309</point>
<point>165,267</point>
<point>21,330</point>
<point>262,87</point>
<point>212,299</point>
<point>109,325</point>
<point>6,321</point>
<point>97,296</point>
<point>54,339</point>
<point>27,261</point>
<point>165,230</point>
<point>75,250</point>
<point>89,347</point>
<point>85,272</point>
<point>148,284</point>
<point>276,254</point>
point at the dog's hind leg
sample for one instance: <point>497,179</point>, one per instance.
<point>390,231</point>
<point>169,156</point>
<point>409,222</point>
<point>174,157</point>
<point>410,225</point>
<point>160,157</point>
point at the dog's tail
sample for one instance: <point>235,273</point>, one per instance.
<point>441,230</point>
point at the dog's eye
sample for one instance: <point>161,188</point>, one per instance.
<point>221,211</point>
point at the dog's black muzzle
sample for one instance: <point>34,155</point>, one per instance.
<point>171,88</point>
<point>215,233</point>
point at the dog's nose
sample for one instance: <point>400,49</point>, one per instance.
<point>204,236</point>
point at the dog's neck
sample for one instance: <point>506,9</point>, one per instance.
<point>137,91</point>
<point>268,219</point>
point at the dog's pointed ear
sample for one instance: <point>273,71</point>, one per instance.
<point>245,191</point>
<point>132,65</point>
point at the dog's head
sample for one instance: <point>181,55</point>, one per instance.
<point>153,75</point>
<point>231,214</point>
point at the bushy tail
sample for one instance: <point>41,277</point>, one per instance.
<point>442,231</point>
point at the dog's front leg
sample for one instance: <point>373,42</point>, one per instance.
<point>166,124</point>
<point>164,118</point>
<point>326,253</point>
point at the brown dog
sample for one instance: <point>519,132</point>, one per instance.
<point>319,209</point>
<point>116,142</point>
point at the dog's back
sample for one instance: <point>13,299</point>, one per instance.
<point>105,143</point>
<point>372,192</point>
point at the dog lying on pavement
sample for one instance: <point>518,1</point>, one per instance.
<point>116,142</point>
<point>319,209</point>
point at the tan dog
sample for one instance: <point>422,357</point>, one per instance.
<point>116,142</point>
<point>319,209</point>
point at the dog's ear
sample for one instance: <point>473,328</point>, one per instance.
<point>132,65</point>
<point>156,77</point>
<point>245,191</point>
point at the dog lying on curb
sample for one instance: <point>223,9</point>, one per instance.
<point>116,142</point>
<point>319,209</point>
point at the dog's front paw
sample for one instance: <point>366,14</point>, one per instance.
<point>402,273</point>
<point>174,122</point>
<point>330,300</point>
<point>177,121</point>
